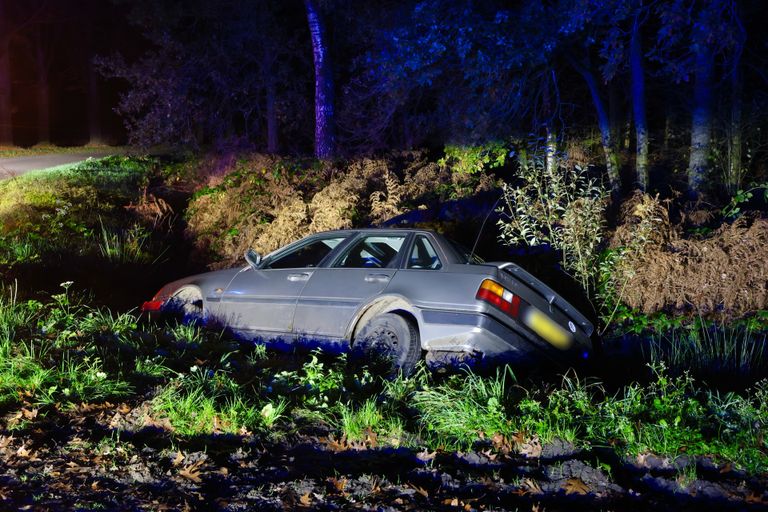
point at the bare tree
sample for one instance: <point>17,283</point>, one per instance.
<point>324,103</point>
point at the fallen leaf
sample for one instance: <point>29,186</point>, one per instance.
<point>29,414</point>
<point>530,486</point>
<point>531,448</point>
<point>576,486</point>
<point>490,455</point>
<point>192,472</point>
<point>501,443</point>
<point>420,490</point>
<point>179,459</point>
<point>224,471</point>
<point>305,500</point>
<point>426,456</point>
<point>339,484</point>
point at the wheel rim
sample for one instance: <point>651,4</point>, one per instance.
<point>386,341</point>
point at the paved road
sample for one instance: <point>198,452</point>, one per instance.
<point>19,165</point>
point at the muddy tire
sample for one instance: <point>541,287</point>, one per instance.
<point>188,304</point>
<point>390,340</point>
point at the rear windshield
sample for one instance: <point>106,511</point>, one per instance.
<point>464,254</point>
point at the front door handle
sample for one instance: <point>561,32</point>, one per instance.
<point>298,277</point>
<point>376,278</point>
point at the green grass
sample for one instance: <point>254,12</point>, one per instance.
<point>457,412</point>
<point>208,402</point>
<point>46,149</point>
<point>713,351</point>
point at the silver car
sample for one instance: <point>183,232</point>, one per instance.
<point>403,290</point>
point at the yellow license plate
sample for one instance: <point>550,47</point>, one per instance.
<point>548,329</point>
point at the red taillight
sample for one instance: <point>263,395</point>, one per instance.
<point>152,305</point>
<point>493,293</point>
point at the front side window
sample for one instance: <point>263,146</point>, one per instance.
<point>308,255</point>
<point>372,252</point>
<point>423,255</point>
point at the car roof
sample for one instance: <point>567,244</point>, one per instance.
<point>377,230</point>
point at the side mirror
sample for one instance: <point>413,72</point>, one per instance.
<point>253,258</point>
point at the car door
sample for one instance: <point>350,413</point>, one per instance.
<point>264,300</point>
<point>333,295</point>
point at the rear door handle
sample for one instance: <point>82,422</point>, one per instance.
<point>377,278</point>
<point>298,277</point>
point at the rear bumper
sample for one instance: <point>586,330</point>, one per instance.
<point>480,333</point>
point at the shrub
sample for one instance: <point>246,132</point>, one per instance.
<point>267,203</point>
<point>558,206</point>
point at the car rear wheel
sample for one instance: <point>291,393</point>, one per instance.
<point>390,339</point>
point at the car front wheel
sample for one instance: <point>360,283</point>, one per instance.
<point>391,339</point>
<point>188,302</point>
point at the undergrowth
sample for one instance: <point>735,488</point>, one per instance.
<point>75,210</point>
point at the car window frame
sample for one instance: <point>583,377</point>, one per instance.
<point>297,245</point>
<point>396,264</point>
<point>435,246</point>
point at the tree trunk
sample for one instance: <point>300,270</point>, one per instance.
<point>95,131</point>
<point>616,108</point>
<point>701,125</point>
<point>6,130</point>
<point>735,168</point>
<point>638,106</point>
<point>603,123</point>
<point>272,140</point>
<point>551,149</point>
<point>324,118</point>
<point>43,94</point>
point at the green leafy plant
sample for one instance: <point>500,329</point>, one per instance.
<point>474,159</point>
<point>559,206</point>
<point>733,208</point>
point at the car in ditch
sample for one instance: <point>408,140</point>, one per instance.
<point>405,292</point>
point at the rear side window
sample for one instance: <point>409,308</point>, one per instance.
<point>372,252</point>
<point>423,255</point>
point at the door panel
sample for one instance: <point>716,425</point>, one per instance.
<point>264,300</point>
<point>333,295</point>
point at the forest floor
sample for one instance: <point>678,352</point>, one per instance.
<point>105,457</point>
